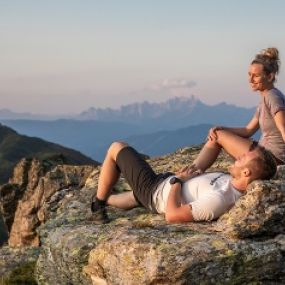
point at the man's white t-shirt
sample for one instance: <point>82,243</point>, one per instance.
<point>210,195</point>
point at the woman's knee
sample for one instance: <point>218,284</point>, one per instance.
<point>232,143</point>
<point>219,138</point>
<point>223,135</point>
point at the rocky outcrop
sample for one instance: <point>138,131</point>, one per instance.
<point>25,200</point>
<point>34,207</point>
<point>140,248</point>
<point>261,212</point>
<point>245,246</point>
<point>3,231</point>
<point>17,265</point>
<point>182,255</point>
<point>198,253</point>
<point>25,178</point>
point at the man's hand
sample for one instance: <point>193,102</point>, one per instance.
<point>188,172</point>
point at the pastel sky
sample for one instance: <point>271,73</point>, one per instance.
<point>64,56</point>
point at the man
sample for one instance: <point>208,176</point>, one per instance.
<point>184,196</point>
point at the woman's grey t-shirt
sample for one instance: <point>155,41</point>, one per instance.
<point>271,139</point>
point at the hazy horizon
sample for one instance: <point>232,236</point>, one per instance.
<point>71,114</point>
<point>62,57</point>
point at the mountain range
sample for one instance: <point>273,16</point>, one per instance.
<point>172,114</point>
<point>154,128</point>
<point>14,147</point>
<point>164,142</point>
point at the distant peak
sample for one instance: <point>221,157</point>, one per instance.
<point>177,99</point>
<point>141,110</point>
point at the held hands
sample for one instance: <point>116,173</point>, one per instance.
<point>188,172</point>
<point>212,135</point>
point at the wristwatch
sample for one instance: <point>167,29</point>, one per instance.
<point>174,180</point>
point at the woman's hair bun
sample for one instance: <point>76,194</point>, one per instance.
<point>271,52</point>
<point>269,58</point>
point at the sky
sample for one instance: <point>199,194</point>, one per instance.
<point>65,56</point>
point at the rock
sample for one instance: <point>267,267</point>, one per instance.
<point>17,265</point>
<point>9,197</point>
<point>25,178</point>
<point>261,212</point>
<point>140,248</point>
<point>245,246</point>
<point>74,249</point>
<point>280,174</point>
<point>3,231</point>
<point>36,205</point>
<point>182,255</point>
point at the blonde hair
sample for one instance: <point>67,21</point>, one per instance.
<point>269,58</point>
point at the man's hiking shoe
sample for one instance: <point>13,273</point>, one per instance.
<point>99,214</point>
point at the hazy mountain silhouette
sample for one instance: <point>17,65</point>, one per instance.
<point>14,147</point>
<point>163,142</point>
<point>95,129</point>
<point>175,113</point>
<point>6,114</point>
<point>85,136</point>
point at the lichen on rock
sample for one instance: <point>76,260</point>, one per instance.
<point>17,265</point>
<point>261,212</point>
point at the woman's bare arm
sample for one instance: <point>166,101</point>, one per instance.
<point>244,132</point>
<point>279,119</point>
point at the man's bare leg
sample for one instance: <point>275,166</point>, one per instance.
<point>108,177</point>
<point>124,200</point>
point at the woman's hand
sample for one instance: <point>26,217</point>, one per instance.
<point>212,135</point>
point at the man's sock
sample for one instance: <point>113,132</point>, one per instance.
<point>97,204</point>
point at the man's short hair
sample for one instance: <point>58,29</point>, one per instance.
<point>265,164</point>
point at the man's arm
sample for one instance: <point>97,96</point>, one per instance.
<point>175,212</point>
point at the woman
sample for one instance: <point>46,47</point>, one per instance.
<point>269,117</point>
